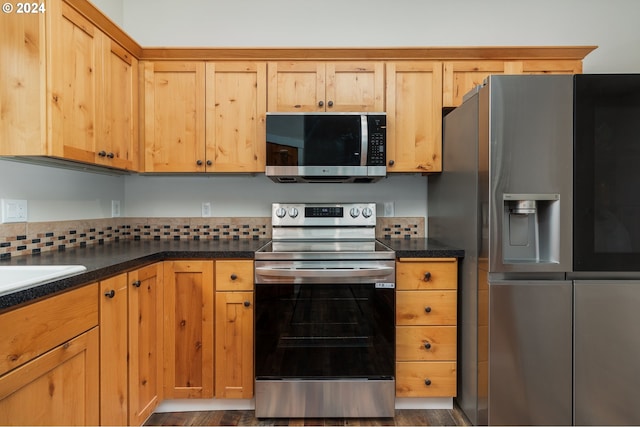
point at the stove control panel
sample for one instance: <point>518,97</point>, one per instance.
<point>317,214</point>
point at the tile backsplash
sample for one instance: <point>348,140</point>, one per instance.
<point>36,237</point>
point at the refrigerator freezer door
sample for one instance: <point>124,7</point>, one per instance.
<point>530,352</point>
<point>607,352</point>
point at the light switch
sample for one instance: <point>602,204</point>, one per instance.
<point>14,210</point>
<point>115,208</point>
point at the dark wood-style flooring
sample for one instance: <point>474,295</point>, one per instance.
<point>404,417</point>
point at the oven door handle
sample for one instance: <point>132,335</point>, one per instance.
<point>324,272</point>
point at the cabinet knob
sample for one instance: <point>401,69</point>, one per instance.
<point>209,162</point>
<point>137,283</point>
<point>234,276</point>
<point>427,345</point>
<point>102,153</point>
<point>111,155</point>
<point>427,382</point>
<point>110,294</point>
<point>427,309</point>
<point>199,162</point>
<point>427,276</point>
<point>330,103</point>
<point>247,303</point>
<point>392,162</point>
<point>321,104</point>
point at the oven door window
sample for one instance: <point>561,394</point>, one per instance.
<point>607,176</point>
<point>314,140</point>
<point>324,331</point>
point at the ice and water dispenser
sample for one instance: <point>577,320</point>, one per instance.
<point>531,228</point>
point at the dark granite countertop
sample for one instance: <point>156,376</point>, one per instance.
<point>109,259</point>
<point>112,258</point>
<point>422,248</point>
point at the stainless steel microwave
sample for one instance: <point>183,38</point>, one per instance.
<point>326,147</point>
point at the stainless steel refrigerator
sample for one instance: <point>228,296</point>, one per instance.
<point>506,197</point>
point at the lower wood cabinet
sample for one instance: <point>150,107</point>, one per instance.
<point>51,376</point>
<point>131,346</point>
<point>426,327</point>
<point>234,314</point>
<point>188,329</point>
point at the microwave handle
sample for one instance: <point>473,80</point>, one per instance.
<point>364,142</point>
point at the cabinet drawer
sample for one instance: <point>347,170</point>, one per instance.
<point>29,331</point>
<point>415,343</point>
<point>234,275</point>
<point>426,307</point>
<point>425,379</point>
<point>418,274</point>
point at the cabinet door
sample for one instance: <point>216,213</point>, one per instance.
<point>414,116</point>
<point>76,67</point>
<point>354,86</point>
<point>114,395</point>
<point>236,109</point>
<point>119,147</point>
<point>234,345</point>
<point>145,342</point>
<point>58,388</point>
<point>462,76</point>
<point>174,116</point>
<point>22,84</point>
<point>296,86</point>
<point>188,329</point>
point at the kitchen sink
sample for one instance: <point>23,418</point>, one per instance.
<point>19,277</point>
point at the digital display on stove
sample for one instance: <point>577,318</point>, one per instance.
<point>323,212</point>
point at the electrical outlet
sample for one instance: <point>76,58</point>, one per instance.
<point>206,209</point>
<point>14,210</point>
<point>389,209</point>
<point>115,208</point>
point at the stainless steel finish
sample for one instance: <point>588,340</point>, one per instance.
<point>511,137</point>
<point>325,398</point>
<point>286,272</point>
<point>302,221</point>
<point>337,250</point>
<point>326,174</point>
<point>530,350</point>
<point>364,146</point>
<point>606,348</point>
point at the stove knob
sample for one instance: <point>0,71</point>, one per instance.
<point>281,212</point>
<point>354,212</point>
<point>367,212</point>
<point>293,212</point>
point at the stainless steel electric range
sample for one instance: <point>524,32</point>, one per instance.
<point>324,314</point>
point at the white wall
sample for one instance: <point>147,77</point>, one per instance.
<point>162,196</point>
<point>55,194</point>
<point>612,24</point>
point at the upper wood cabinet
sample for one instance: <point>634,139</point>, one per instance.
<point>462,76</point>
<point>174,116</point>
<point>236,102</point>
<point>299,86</point>
<point>414,116</point>
<point>62,94</point>
<point>204,117</point>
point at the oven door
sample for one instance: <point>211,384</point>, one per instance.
<point>325,339</point>
<point>325,326</point>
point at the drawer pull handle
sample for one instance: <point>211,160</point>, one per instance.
<point>427,382</point>
<point>247,303</point>
<point>110,294</point>
<point>427,345</point>
<point>427,309</point>
<point>427,276</point>
<point>137,283</point>
<point>234,277</point>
